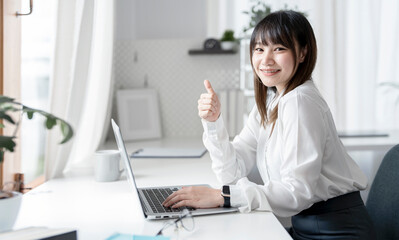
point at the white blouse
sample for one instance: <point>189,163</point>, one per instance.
<point>301,163</point>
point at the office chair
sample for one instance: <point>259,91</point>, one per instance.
<point>383,200</point>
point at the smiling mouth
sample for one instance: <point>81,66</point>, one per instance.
<point>270,71</point>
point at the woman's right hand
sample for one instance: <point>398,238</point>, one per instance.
<point>195,196</point>
<point>209,104</point>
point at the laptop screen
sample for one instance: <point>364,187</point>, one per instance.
<point>125,158</point>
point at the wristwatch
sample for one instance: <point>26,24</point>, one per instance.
<point>226,195</point>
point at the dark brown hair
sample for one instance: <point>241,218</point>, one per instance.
<point>290,29</point>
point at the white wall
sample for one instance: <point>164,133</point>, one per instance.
<point>152,41</point>
<point>177,76</point>
<point>160,19</point>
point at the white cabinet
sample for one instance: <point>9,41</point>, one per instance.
<point>246,78</point>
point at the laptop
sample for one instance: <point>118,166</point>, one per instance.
<point>151,198</point>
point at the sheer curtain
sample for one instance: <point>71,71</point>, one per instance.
<point>387,101</point>
<point>347,59</point>
<point>357,52</point>
<point>81,83</point>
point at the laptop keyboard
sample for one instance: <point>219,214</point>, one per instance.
<point>156,196</point>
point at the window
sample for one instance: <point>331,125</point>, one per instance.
<point>37,35</point>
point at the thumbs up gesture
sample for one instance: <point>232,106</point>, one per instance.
<point>209,104</point>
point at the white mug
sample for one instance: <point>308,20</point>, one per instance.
<point>107,165</point>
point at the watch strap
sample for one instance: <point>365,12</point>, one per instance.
<point>226,196</point>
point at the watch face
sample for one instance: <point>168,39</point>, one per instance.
<point>211,43</point>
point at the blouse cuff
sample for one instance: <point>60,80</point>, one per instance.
<point>236,197</point>
<point>245,196</point>
<point>212,128</point>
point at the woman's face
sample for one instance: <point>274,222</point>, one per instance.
<point>274,64</point>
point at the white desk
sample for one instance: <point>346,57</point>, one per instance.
<point>97,210</point>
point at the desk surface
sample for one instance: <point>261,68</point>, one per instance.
<point>97,210</point>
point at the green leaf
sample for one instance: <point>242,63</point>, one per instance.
<point>51,121</point>
<point>8,104</point>
<point>66,131</point>
<point>4,99</point>
<point>7,117</point>
<point>7,143</point>
<point>29,114</point>
<point>29,111</point>
<point>8,107</point>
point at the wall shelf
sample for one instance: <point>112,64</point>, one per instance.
<point>210,51</point>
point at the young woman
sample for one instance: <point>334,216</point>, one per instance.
<point>290,136</point>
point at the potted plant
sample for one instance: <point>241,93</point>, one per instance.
<point>259,11</point>
<point>10,201</point>
<point>228,41</point>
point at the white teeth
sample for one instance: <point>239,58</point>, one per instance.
<point>270,71</point>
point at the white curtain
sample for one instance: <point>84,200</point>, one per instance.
<point>81,83</point>
<point>358,50</point>
<point>387,101</point>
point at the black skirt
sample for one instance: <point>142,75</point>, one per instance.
<point>342,217</point>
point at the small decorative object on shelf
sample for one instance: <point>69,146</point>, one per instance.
<point>228,41</point>
<point>211,46</point>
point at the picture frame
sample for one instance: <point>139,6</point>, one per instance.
<point>138,114</point>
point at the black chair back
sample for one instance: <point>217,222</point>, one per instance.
<point>383,200</point>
